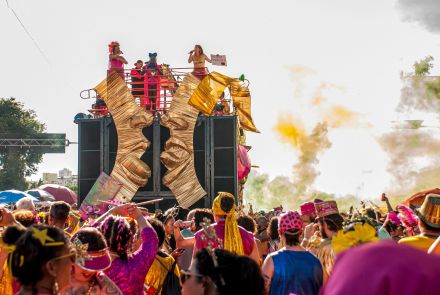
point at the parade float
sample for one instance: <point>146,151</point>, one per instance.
<point>183,146</point>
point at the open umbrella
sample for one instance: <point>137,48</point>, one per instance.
<point>12,196</point>
<point>60,193</point>
<point>41,195</point>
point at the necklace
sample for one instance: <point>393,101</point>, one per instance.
<point>91,285</point>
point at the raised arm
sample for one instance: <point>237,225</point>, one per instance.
<point>190,57</point>
<point>180,240</point>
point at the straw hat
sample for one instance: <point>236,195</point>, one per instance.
<point>429,213</point>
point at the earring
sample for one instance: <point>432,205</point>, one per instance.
<point>55,288</point>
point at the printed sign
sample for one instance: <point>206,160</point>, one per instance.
<point>218,60</point>
<point>104,189</point>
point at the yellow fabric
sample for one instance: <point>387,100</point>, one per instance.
<point>232,240</point>
<point>199,62</point>
<point>6,281</point>
<point>326,255</point>
<point>208,92</point>
<point>420,242</point>
<point>241,98</point>
<point>157,272</point>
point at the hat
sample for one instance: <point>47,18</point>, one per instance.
<point>152,54</point>
<point>326,208</point>
<point>138,61</point>
<point>307,208</point>
<point>429,213</point>
<point>289,220</point>
<point>91,260</point>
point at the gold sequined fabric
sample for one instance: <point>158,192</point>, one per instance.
<point>129,119</point>
<point>178,156</point>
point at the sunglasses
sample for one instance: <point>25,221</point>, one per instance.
<point>185,275</point>
<point>71,255</point>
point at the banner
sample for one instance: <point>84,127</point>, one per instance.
<point>218,60</point>
<point>104,189</point>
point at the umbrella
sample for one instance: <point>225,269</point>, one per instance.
<point>41,195</point>
<point>60,193</point>
<point>12,196</point>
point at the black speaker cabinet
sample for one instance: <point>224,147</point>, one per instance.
<point>215,157</point>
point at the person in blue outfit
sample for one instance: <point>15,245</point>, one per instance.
<point>292,269</point>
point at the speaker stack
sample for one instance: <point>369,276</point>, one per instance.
<point>215,157</point>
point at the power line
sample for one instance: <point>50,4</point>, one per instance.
<point>29,34</point>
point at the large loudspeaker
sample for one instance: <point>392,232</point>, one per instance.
<point>215,157</point>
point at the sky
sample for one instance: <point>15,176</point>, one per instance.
<point>358,47</point>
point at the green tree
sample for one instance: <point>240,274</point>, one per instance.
<point>16,163</point>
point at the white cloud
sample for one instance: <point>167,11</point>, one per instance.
<point>424,12</point>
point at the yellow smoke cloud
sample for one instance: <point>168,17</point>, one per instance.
<point>290,131</point>
<point>338,116</point>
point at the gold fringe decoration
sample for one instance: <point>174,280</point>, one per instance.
<point>129,119</point>
<point>178,156</point>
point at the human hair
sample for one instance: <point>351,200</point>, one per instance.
<point>200,215</point>
<point>248,223</point>
<point>25,203</point>
<point>199,47</point>
<point>29,258</point>
<point>427,227</point>
<point>292,237</point>
<point>59,211</point>
<point>226,204</point>
<point>118,235</point>
<point>334,222</point>
<point>92,237</point>
<point>25,217</point>
<point>272,229</point>
<point>159,229</point>
<point>234,274</point>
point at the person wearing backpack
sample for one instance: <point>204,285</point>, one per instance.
<point>163,278</point>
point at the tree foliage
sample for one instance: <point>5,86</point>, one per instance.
<point>16,163</point>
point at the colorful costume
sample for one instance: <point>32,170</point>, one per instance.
<point>199,66</point>
<point>235,238</point>
<point>130,275</point>
<point>152,82</point>
<point>157,273</point>
<point>137,86</point>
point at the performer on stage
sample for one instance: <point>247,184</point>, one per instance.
<point>152,81</point>
<point>197,57</point>
<point>116,60</point>
<point>137,82</point>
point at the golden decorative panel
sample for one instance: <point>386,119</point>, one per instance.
<point>129,119</point>
<point>178,156</point>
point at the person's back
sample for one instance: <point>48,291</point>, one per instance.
<point>297,272</point>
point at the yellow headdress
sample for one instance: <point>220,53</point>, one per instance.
<point>232,239</point>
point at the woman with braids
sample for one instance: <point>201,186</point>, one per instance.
<point>93,258</point>
<point>235,238</point>
<point>220,272</point>
<point>41,258</point>
<point>128,271</point>
<point>274,237</point>
<point>292,269</point>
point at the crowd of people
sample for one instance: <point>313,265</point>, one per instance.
<point>146,79</point>
<point>52,249</point>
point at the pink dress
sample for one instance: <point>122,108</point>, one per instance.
<point>219,227</point>
<point>130,275</point>
<point>117,66</point>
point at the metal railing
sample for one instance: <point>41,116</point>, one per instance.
<point>153,92</point>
